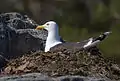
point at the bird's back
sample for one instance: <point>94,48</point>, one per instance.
<point>71,46</point>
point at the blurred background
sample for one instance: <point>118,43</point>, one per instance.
<point>78,19</point>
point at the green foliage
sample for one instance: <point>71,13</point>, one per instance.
<point>73,33</point>
<point>82,14</point>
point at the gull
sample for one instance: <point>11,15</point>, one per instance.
<point>54,42</point>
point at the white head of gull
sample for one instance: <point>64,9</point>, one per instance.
<point>53,37</point>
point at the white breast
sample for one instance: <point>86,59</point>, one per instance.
<point>48,45</point>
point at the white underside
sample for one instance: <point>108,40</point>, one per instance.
<point>48,46</point>
<point>91,44</point>
<point>90,41</point>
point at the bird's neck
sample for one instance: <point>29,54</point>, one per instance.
<point>53,39</point>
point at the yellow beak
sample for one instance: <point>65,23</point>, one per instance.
<point>40,27</point>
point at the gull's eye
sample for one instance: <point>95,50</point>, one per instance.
<point>47,24</point>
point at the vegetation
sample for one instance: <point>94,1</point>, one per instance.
<point>82,63</point>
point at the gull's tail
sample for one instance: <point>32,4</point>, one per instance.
<point>94,41</point>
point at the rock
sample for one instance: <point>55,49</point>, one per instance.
<point>40,77</point>
<point>17,20</point>
<point>26,41</point>
<point>27,77</point>
<point>3,61</point>
<point>18,37</point>
<point>80,78</point>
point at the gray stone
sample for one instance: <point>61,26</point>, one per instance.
<point>26,41</point>
<point>3,61</point>
<point>41,77</point>
<point>18,35</point>
<point>81,78</point>
<point>27,77</point>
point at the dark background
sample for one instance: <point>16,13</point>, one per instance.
<point>77,19</point>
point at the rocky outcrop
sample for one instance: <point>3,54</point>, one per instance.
<point>3,61</point>
<point>17,35</point>
<point>26,41</point>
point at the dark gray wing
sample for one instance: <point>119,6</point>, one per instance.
<point>96,40</point>
<point>71,46</point>
<point>75,46</point>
